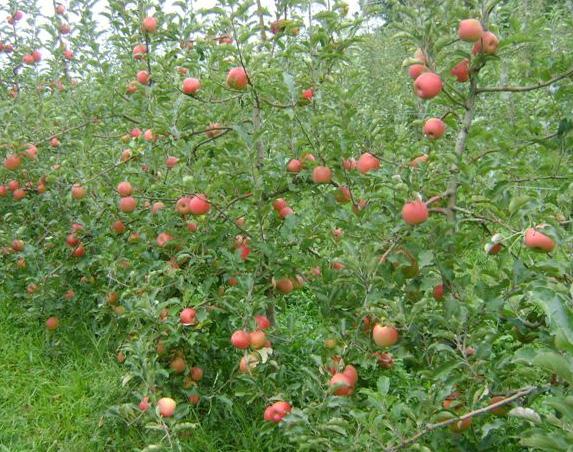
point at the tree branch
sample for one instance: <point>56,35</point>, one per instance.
<point>521,89</point>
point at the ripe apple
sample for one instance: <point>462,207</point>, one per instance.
<point>31,152</point>
<point>68,54</point>
<point>343,195</point>
<point>352,374</point>
<point>415,212</point>
<point>139,51</point>
<point>144,404</point>
<point>156,207</point>
<point>78,192</point>
<point>19,194</point>
<point>52,323</point>
<point>536,240</point>
<point>149,24</point>
<point>171,162</point>
<point>18,245</point>
<point>461,71</point>
<point>194,399</point>
<point>199,205</point>
<point>322,175</point>
<point>65,29</point>
<point>257,339</point>
<point>18,15</point>
<point>237,78</point>
<point>434,128</point>
<point>28,59</point>
<point>37,55</point>
<point>367,162</point>
<point>470,30</point>
<point>308,94</point>
<point>60,9</point>
<point>166,406</point>
<point>3,191</point>
<point>277,411</point>
<point>349,164</point>
<point>54,142</point>
<point>163,238</point>
<point>135,133</point>
<point>12,162</point>
<point>143,77</point>
<point>438,292</point>
<point>285,212</point>
<point>127,204</point>
<point>415,163</point>
<point>294,166</point>
<point>262,322</point>
<point>486,44</point>
<point>124,189</point>
<point>178,365</point>
<point>72,240</point>
<point>428,85</point>
<point>279,204</point>
<point>385,359</point>
<point>415,70</point>
<point>341,385</point>
<point>385,336</point>
<point>196,373</point>
<point>188,316</point>
<point>284,285</point>
<point>192,227</point>
<point>79,251</point>
<point>241,339</point>
<point>191,85</point>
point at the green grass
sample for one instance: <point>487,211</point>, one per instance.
<point>55,388</point>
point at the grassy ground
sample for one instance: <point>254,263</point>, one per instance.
<point>55,389</point>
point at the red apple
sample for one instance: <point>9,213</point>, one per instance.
<point>322,175</point>
<point>384,336</point>
<point>237,78</point>
<point>127,204</point>
<point>144,404</point>
<point>52,323</point>
<point>241,339</point>
<point>352,374</point>
<point>308,94</point>
<point>65,29</point>
<point>188,316</point>
<point>196,373</point>
<point>60,9</point>
<point>143,77</point>
<point>415,70</point>
<point>19,194</point>
<point>257,339</point>
<point>78,192</point>
<point>285,212</point>
<point>171,162</point>
<point>149,25</point>
<point>294,166</point>
<point>28,59</point>
<point>461,71</point>
<point>12,162</point>
<point>486,44</point>
<point>163,238</point>
<point>434,128</point>
<point>428,85</point>
<point>166,406</point>
<point>139,51</point>
<point>279,204</point>
<point>415,212</point>
<point>135,133</point>
<point>199,205</point>
<point>438,292</point>
<point>284,285</point>
<point>37,55</point>
<point>341,385</point>
<point>191,85</point>
<point>367,162</point>
<point>536,240</point>
<point>124,189</point>
<point>470,30</point>
<point>18,245</point>
<point>213,130</point>
<point>262,322</point>
<point>343,195</point>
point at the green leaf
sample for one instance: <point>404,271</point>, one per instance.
<point>555,363</point>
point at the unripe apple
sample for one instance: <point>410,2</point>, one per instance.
<point>487,44</point>
<point>191,85</point>
<point>341,385</point>
<point>241,339</point>
<point>78,192</point>
<point>434,128</point>
<point>257,339</point>
<point>52,323</point>
<point>321,175</point>
<point>415,212</point>
<point>166,406</point>
<point>415,70</point>
<point>188,316</point>
<point>428,85</point>
<point>367,162</point>
<point>284,285</point>
<point>127,204</point>
<point>438,292</point>
<point>199,205</point>
<point>12,162</point>
<point>461,71</point>
<point>470,30</point>
<point>139,51</point>
<point>536,240</point>
<point>143,77</point>
<point>149,24</point>
<point>294,166</point>
<point>385,336</point>
<point>237,78</point>
<point>124,189</point>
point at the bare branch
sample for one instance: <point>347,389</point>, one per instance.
<point>521,89</point>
